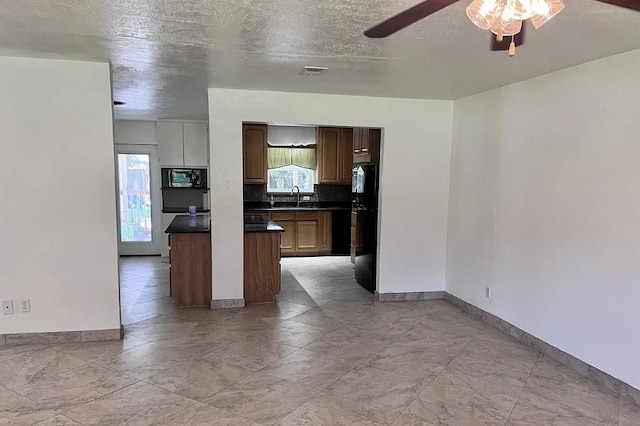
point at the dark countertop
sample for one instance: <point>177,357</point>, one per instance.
<point>182,210</point>
<point>304,206</point>
<point>185,224</point>
<point>260,224</point>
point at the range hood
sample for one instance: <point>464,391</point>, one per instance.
<point>291,135</point>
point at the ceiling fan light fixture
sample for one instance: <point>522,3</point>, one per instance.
<point>505,17</point>
<point>483,13</point>
<point>545,10</point>
<point>506,28</point>
<point>498,16</point>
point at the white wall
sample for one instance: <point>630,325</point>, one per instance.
<point>57,196</point>
<point>545,208</point>
<point>414,178</point>
<point>134,132</point>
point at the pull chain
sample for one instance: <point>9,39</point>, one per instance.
<point>512,47</point>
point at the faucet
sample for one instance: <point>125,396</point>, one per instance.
<point>291,193</point>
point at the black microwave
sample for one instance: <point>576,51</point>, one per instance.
<point>184,178</point>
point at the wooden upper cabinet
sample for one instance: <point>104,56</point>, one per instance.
<point>361,141</point>
<point>335,155</point>
<point>375,137</point>
<point>254,153</point>
<point>346,156</point>
<point>364,141</point>
<point>328,153</point>
<point>357,140</point>
<point>366,145</point>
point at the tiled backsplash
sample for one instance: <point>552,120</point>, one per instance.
<point>323,193</point>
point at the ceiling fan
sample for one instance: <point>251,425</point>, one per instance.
<point>504,18</point>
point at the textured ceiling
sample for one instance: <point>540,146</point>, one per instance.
<point>165,53</point>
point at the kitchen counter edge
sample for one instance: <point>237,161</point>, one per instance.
<point>185,224</point>
<point>294,209</point>
<point>270,226</point>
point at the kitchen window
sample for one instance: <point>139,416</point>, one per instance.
<point>290,166</point>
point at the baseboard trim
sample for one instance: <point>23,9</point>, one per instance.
<point>616,385</point>
<point>227,303</point>
<point>56,337</point>
<point>414,295</point>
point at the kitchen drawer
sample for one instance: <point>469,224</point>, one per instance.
<point>276,216</point>
<point>307,216</point>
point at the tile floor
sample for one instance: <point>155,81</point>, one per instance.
<point>326,354</point>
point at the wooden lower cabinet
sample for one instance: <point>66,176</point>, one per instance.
<point>306,233</point>
<point>306,236</point>
<point>288,241</point>
<point>324,231</point>
<point>190,270</point>
<point>262,278</point>
<point>357,235</point>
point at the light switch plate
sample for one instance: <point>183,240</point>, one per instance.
<point>7,307</point>
<point>25,305</point>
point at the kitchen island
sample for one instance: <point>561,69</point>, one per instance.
<point>262,278</point>
<point>190,260</point>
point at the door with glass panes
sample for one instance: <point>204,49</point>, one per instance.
<point>138,199</point>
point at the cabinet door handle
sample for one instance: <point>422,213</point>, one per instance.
<point>356,150</point>
<point>365,149</point>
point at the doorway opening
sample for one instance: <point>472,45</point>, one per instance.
<point>144,279</point>
<point>320,185</point>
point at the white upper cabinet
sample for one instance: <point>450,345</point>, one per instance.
<point>183,144</point>
<point>196,141</point>
<point>170,146</point>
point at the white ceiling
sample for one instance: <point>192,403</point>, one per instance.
<point>165,53</point>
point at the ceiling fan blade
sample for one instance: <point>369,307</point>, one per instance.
<point>629,4</point>
<point>406,18</point>
<point>506,40</point>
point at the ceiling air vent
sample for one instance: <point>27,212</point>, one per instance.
<point>313,70</point>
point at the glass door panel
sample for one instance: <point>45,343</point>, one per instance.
<point>138,200</point>
<point>134,192</point>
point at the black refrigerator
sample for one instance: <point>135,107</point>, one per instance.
<point>364,191</point>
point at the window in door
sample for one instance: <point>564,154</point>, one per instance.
<point>134,190</point>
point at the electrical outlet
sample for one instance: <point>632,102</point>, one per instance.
<point>25,305</point>
<point>7,307</point>
<point>306,198</point>
<point>487,291</point>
